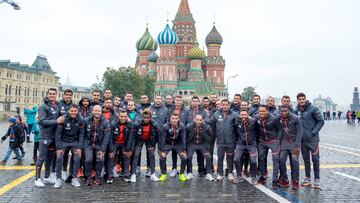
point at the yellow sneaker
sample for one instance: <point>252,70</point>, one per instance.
<point>182,177</point>
<point>162,178</point>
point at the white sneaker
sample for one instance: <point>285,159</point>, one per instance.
<point>53,176</point>
<point>209,177</point>
<point>38,183</point>
<point>138,169</point>
<point>173,173</point>
<point>190,176</point>
<point>49,180</point>
<point>230,177</point>
<point>116,175</point>
<point>148,172</point>
<point>58,183</point>
<point>64,175</point>
<point>133,178</point>
<point>154,178</point>
<point>219,178</point>
<point>75,182</point>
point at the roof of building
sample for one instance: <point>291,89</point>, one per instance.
<point>214,37</point>
<point>183,13</point>
<point>39,65</point>
<point>167,36</point>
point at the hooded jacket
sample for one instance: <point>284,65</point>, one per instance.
<point>173,136</point>
<point>246,132</point>
<point>97,135</point>
<point>225,125</point>
<point>292,129</point>
<point>48,114</point>
<point>85,112</point>
<point>312,121</point>
<point>129,135</point>
<point>154,132</point>
<point>204,131</point>
<point>64,107</point>
<point>31,115</point>
<point>184,113</point>
<point>159,114</point>
<point>269,129</point>
<point>72,130</point>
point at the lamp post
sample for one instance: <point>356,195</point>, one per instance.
<point>227,81</point>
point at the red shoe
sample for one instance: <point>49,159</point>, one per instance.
<point>262,180</point>
<point>97,182</point>
<point>93,173</point>
<point>295,185</point>
<point>283,183</point>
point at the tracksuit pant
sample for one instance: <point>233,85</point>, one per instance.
<point>307,150</point>
<point>240,150</point>
<point>203,151</point>
<point>124,160</point>
<point>264,147</point>
<point>46,154</point>
<point>90,152</point>
<point>68,146</point>
<point>178,149</point>
<point>150,154</point>
<point>221,150</point>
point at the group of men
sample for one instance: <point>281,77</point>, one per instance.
<point>106,136</point>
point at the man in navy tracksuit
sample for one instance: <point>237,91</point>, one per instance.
<point>173,138</point>
<point>255,105</point>
<point>48,121</point>
<point>290,145</point>
<point>270,103</point>
<point>121,144</point>
<point>269,130</point>
<point>198,135</point>
<point>195,110</point>
<point>312,122</point>
<point>69,137</point>
<point>183,112</point>
<point>246,132</point>
<point>146,132</point>
<point>97,136</point>
<point>225,122</point>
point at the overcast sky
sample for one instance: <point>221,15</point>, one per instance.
<point>281,46</point>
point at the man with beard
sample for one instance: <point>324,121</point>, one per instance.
<point>70,137</point>
<point>144,103</point>
<point>97,136</point>
<point>255,105</point>
<point>122,144</point>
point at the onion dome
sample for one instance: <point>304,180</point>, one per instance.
<point>153,57</point>
<point>214,37</point>
<point>196,53</point>
<point>146,42</point>
<point>167,36</point>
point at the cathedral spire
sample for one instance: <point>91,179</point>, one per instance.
<point>184,8</point>
<point>184,13</point>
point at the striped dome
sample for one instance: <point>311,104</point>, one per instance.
<point>214,37</point>
<point>153,57</point>
<point>146,42</point>
<point>167,36</point>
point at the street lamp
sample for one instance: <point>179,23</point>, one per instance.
<point>227,81</point>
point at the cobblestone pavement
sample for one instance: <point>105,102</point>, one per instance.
<point>340,180</point>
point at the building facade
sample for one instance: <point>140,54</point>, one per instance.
<point>183,68</point>
<point>325,104</point>
<point>22,85</point>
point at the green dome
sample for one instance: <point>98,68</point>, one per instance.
<point>196,53</point>
<point>146,42</point>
